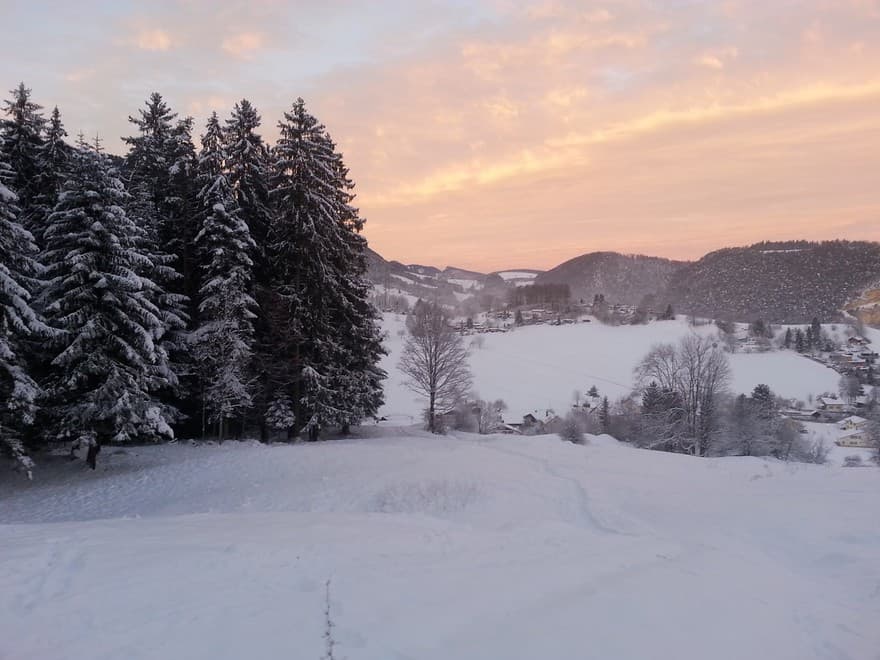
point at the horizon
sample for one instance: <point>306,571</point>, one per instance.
<point>489,134</point>
<point>624,254</point>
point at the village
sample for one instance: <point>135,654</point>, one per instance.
<point>837,417</point>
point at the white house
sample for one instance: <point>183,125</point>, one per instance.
<point>832,405</point>
<point>853,439</point>
<point>852,423</point>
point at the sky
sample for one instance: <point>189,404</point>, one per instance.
<point>504,134</point>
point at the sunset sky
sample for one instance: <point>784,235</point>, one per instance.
<point>505,134</point>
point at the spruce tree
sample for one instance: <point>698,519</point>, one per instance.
<point>18,324</point>
<point>325,343</point>
<point>21,137</point>
<point>247,163</point>
<point>224,337</point>
<point>52,159</point>
<point>605,415</point>
<point>107,361</point>
<point>160,167</point>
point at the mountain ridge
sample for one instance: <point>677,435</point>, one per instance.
<point>777,281</point>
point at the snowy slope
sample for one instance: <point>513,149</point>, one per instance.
<point>541,366</point>
<point>438,548</point>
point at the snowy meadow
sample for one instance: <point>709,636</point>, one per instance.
<point>437,547</point>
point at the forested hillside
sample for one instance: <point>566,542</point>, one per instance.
<point>789,282</point>
<point>621,278</point>
<point>207,290</point>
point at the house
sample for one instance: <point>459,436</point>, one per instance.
<point>854,439</point>
<point>857,341</point>
<point>523,423</point>
<point>801,415</point>
<point>852,423</point>
<point>532,422</point>
<point>831,404</point>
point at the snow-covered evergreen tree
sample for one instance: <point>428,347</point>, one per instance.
<point>247,164</point>
<point>22,138</point>
<point>181,219</point>
<point>160,167</point>
<point>52,159</point>
<point>224,337</point>
<point>326,342</point>
<point>106,362</point>
<point>18,324</point>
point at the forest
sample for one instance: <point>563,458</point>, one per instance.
<point>178,289</point>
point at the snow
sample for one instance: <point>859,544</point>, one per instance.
<point>467,285</point>
<point>436,548</point>
<point>516,275</point>
<point>541,366</point>
<point>828,433</point>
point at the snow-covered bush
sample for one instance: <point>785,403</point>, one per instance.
<point>853,461</point>
<point>280,413</point>
<point>571,430</point>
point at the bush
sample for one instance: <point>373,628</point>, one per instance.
<point>852,461</point>
<point>810,452</point>
<point>571,430</point>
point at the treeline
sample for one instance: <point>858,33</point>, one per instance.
<point>210,290</point>
<point>540,294</point>
<point>778,282</point>
<point>683,404</point>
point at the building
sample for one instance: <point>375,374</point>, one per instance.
<point>853,423</point>
<point>854,439</point>
<point>832,405</point>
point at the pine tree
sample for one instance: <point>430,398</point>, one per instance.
<point>21,138</point>
<point>180,215</point>
<point>160,167</point>
<point>18,323</point>
<point>788,338</point>
<point>52,159</point>
<point>224,338</point>
<point>605,415</point>
<point>106,361</point>
<point>247,164</point>
<point>800,343</point>
<point>764,401</point>
<point>325,343</point>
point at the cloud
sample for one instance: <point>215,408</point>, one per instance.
<point>244,44</point>
<point>717,58</point>
<point>668,127</point>
<point>79,75</point>
<point>153,39</point>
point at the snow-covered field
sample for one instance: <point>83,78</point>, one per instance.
<point>439,547</point>
<point>541,366</point>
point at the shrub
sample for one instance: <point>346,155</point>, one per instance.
<point>571,430</point>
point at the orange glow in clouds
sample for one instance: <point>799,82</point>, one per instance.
<point>564,134</point>
<point>503,134</point>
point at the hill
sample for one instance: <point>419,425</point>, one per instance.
<point>621,278</point>
<point>438,547</point>
<point>540,366</point>
<point>789,282</point>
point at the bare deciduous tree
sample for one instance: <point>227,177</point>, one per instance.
<point>435,361</point>
<point>698,371</point>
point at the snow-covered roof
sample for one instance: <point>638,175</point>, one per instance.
<point>853,419</point>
